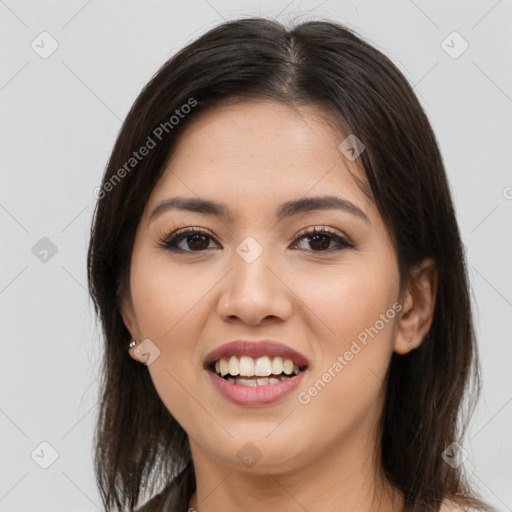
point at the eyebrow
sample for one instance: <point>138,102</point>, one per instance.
<point>288,209</point>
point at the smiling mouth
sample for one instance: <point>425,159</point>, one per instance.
<point>250,371</point>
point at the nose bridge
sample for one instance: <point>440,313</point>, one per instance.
<point>252,262</point>
<point>253,289</point>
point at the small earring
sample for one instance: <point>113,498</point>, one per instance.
<point>409,342</point>
<point>132,344</point>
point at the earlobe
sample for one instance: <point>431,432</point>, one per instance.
<point>419,304</point>
<point>131,349</point>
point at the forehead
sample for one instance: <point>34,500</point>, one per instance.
<point>253,153</point>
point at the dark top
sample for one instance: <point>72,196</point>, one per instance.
<point>176,496</point>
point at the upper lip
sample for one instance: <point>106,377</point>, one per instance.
<point>255,349</point>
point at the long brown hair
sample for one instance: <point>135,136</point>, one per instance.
<point>139,445</point>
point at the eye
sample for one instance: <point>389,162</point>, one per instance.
<point>321,239</point>
<point>196,239</point>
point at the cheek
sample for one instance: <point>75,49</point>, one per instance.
<point>168,303</point>
<point>170,309</point>
<point>357,308</point>
<point>167,296</point>
<point>349,298</point>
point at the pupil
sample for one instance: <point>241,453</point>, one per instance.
<point>196,237</point>
<point>325,238</point>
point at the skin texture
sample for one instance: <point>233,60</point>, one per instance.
<point>253,156</point>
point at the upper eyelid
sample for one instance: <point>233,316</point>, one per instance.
<point>302,232</point>
<point>181,234</point>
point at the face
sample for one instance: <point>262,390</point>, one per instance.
<point>250,275</point>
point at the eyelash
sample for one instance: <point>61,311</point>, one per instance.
<point>170,242</point>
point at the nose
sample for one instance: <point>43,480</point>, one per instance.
<point>255,291</point>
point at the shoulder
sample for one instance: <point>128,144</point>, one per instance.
<point>451,506</point>
<point>175,496</point>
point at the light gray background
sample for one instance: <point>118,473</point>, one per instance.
<point>59,120</point>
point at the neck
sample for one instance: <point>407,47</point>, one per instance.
<point>346,477</point>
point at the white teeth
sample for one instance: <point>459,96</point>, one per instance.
<point>246,366</point>
<point>223,367</point>
<point>242,381</point>
<point>265,366</point>
<point>233,366</point>
<point>262,367</point>
<point>288,366</point>
<point>246,382</point>
<point>277,365</point>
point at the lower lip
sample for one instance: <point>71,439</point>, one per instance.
<point>254,395</point>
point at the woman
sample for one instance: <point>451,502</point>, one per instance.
<point>281,282</point>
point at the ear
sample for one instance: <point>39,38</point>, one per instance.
<point>128,315</point>
<point>418,307</point>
